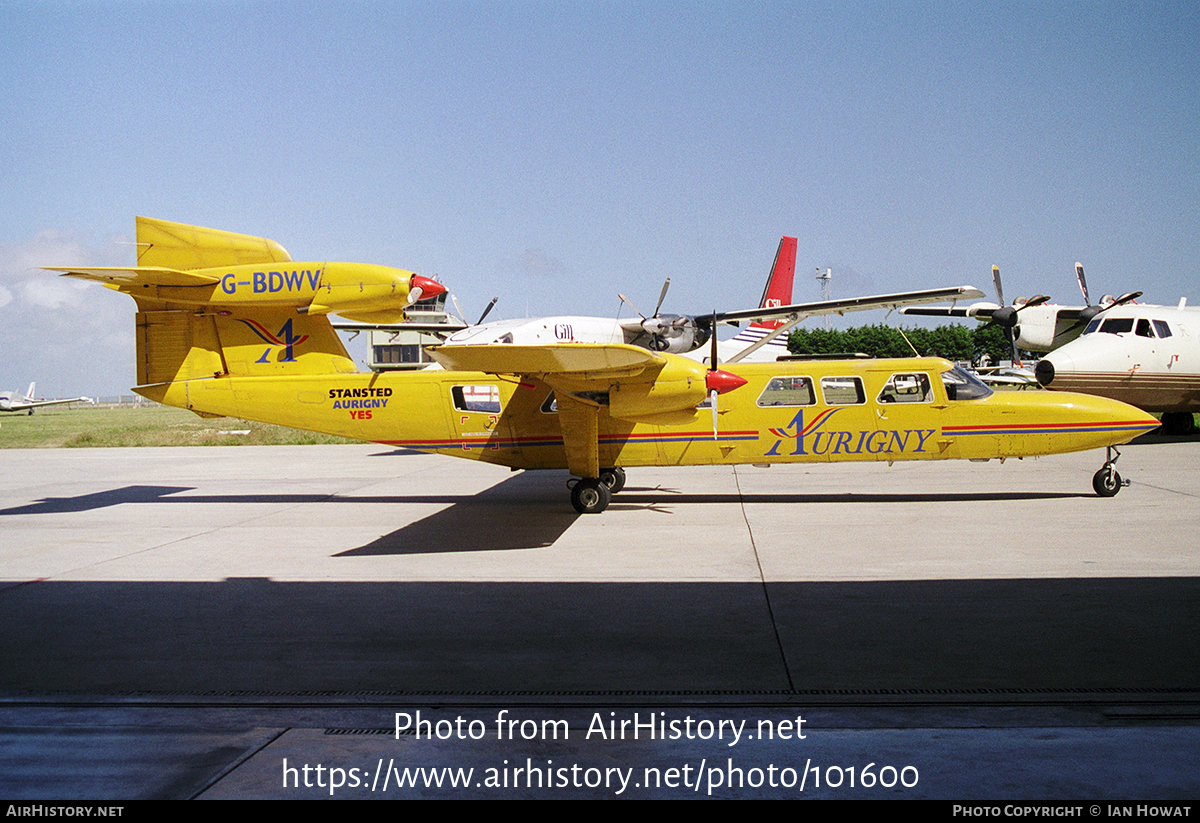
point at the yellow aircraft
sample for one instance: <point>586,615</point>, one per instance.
<point>596,409</point>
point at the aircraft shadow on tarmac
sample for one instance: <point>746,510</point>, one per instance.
<point>525,511</point>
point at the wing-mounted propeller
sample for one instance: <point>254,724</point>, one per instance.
<point>716,381</point>
<point>673,333</point>
<point>1009,317</point>
<point>1106,302</point>
<point>458,310</point>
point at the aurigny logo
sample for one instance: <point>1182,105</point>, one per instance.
<point>873,441</point>
<point>284,338</point>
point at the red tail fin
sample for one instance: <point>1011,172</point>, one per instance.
<point>779,283</point>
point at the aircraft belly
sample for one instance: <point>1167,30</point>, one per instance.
<point>1146,390</point>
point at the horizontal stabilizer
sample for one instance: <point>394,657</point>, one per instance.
<point>137,276</point>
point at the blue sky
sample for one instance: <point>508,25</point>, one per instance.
<point>556,153</point>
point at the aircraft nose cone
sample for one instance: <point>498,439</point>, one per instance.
<point>1044,372</point>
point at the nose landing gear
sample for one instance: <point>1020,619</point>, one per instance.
<point>1107,482</point>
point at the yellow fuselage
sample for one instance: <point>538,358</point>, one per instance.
<point>819,411</point>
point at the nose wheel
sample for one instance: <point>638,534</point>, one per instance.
<point>1107,482</point>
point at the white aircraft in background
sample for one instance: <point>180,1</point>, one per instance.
<point>1034,324</point>
<point>11,401</point>
<point>682,334</point>
<point>1147,356</point>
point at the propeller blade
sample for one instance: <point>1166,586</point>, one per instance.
<point>1034,301</point>
<point>1082,283</point>
<point>712,356</point>
<point>458,310</point>
<point>662,296</point>
<point>712,398</point>
<point>999,289</point>
<point>1126,298</point>
<point>629,303</point>
<point>485,311</point>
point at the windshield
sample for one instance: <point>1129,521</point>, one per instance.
<point>962,385</point>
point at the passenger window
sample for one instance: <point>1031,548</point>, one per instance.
<point>788,391</point>
<point>1162,328</point>
<point>476,398</point>
<point>842,391</point>
<point>550,405</point>
<point>907,388</point>
<point>1143,328</point>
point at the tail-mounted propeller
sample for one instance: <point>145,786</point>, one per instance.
<point>422,288</point>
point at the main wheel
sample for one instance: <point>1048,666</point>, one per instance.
<point>1178,423</point>
<point>1106,482</point>
<point>590,496</point>
<point>613,478</point>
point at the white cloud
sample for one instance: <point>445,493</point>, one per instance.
<point>73,337</point>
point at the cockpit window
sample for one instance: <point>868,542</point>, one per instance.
<point>907,388</point>
<point>1117,325</point>
<point>1162,328</point>
<point>1095,324</point>
<point>788,391</point>
<point>1143,328</point>
<point>961,385</point>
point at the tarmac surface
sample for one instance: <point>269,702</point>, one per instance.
<point>207,622</point>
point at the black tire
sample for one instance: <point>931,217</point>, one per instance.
<point>1179,423</point>
<point>590,496</point>
<point>1106,482</point>
<point>613,478</point>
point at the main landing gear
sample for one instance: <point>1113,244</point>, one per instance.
<point>591,495</point>
<point>1107,482</point>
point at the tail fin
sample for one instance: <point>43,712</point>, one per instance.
<point>175,345</point>
<point>778,291</point>
<point>29,394</point>
<point>163,244</point>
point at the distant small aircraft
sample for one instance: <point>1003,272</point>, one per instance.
<point>11,401</point>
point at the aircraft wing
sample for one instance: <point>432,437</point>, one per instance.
<point>878,301</point>
<point>429,328</point>
<point>119,277</point>
<point>581,361</point>
<point>21,405</point>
